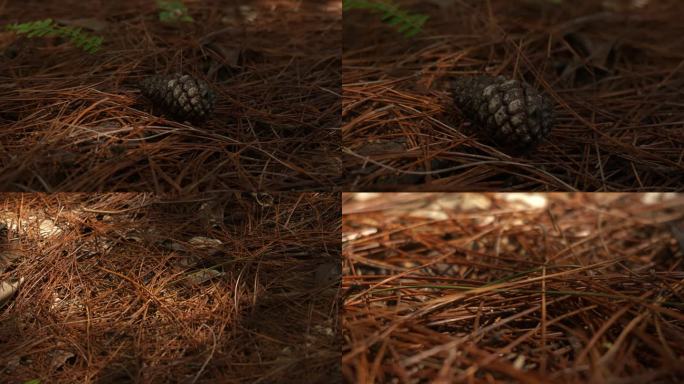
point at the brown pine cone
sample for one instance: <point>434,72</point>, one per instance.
<point>507,112</point>
<point>181,96</point>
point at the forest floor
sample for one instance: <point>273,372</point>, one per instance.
<point>75,121</point>
<point>134,288</point>
<point>515,287</point>
<point>613,70</point>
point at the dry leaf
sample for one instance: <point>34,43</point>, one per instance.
<point>8,289</point>
<point>203,275</point>
<point>59,358</point>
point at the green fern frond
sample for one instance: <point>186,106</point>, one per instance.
<point>173,11</point>
<point>409,24</point>
<point>47,28</point>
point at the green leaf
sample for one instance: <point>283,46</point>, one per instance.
<point>164,16</point>
<point>173,11</point>
<point>34,381</point>
<point>408,24</point>
<point>42,28</point>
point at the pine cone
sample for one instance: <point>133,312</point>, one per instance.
<point>509,113</point>
<point>181,96</point>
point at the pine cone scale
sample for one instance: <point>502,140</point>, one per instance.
<point>510,113</point>
<point>181,96</point>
